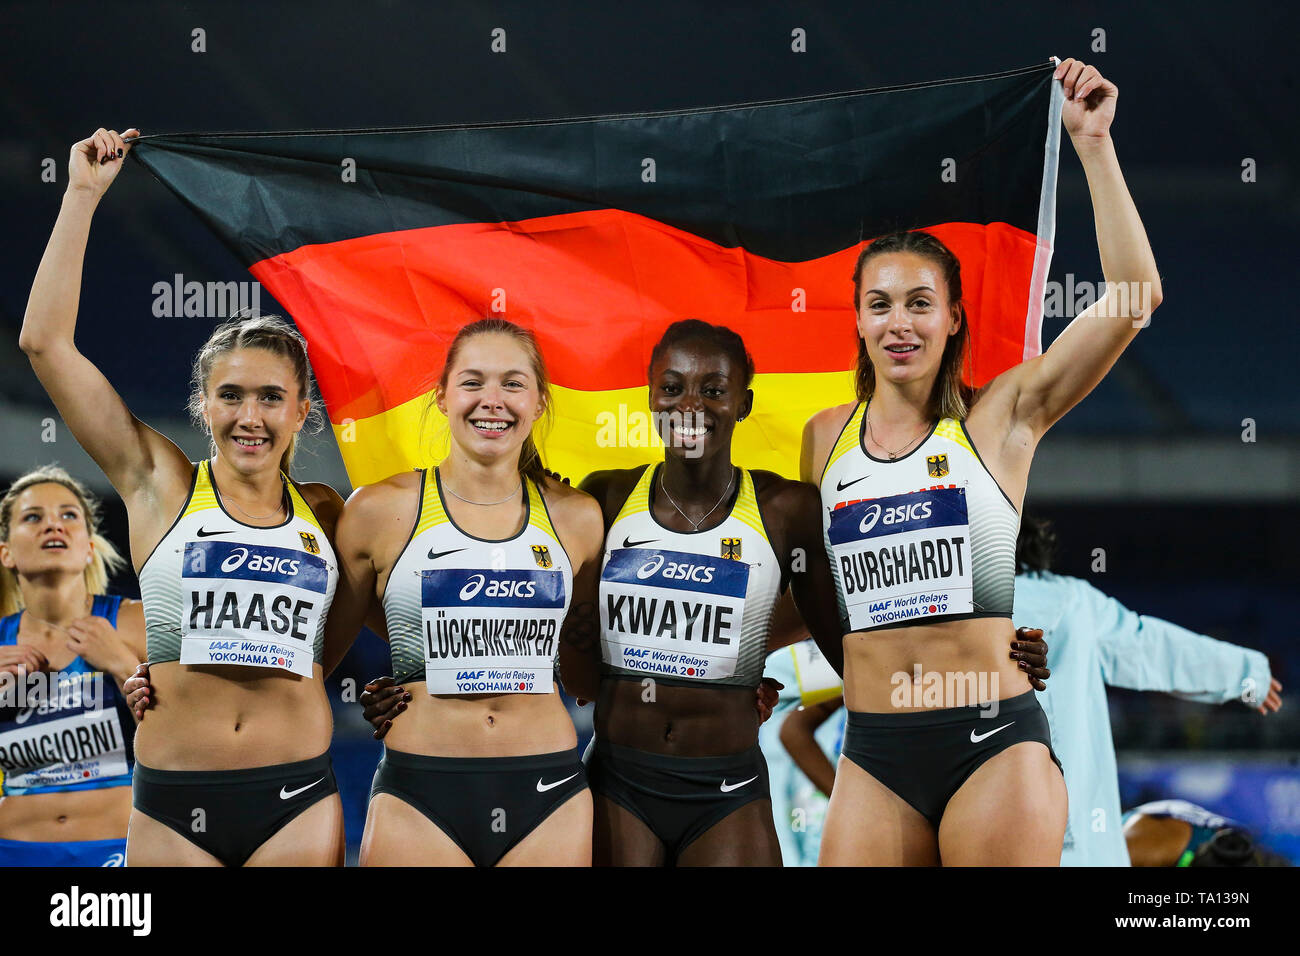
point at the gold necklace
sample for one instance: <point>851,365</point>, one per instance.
<point>892,454</point>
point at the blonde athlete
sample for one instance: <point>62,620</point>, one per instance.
<point>236,573</point>
<point>66,733</point>
<point>921,485</point>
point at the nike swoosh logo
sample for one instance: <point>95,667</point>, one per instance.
<point>208,534</point>
<point>286,793</point>
<point>727,788</point>
<point>434,556</point>
<point>976,738</point>
<point>841,485</point>
<point>543,787</point>
<point>629,543</point>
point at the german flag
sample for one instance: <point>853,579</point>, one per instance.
<point>598,233</point>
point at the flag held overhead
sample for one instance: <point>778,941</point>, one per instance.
<point>753,219</point>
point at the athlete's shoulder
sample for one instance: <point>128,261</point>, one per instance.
<point>370,501</point>
<point>130,609</point>
<point>611,487</point>
<point>1063,587</point>
<point>831,419</point>
<point>787,504</point>
<point>130,624</point>
<point>577,516</point>
<point>563,497</point>
<point>778,491</point>
<point>324,501</point>
<point>819,436</point>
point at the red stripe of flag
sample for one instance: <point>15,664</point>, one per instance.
<point>599,288</point>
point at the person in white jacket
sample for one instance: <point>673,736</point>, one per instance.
<point>1097,642</point>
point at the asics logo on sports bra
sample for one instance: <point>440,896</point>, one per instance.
<point>629,543</point>
<point>976,738</point>
<point>286,793</point>
<point>728,787</point>
<point>204,533</point>
<point>435,555</point>
<point>895,515</point>
<point>841,485</point>
<point>675,571</point>
<point>259,562</point>
<point>543,787</point>
<point>497,589</point>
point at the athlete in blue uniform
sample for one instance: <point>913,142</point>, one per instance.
<point>921,482</point>
<point>65,649</point>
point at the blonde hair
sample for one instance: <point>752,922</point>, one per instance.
<point>105,558</point>
<point>251,331</point>
<point>530,459</point>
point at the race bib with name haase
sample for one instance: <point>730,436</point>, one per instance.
<point>252,605</point>
<point>903,557</point>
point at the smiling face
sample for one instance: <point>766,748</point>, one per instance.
<point>905,317</point>
<point>697,394</point>
<point>492,397</point>
<point>48,532</point>
<point>253,407</point>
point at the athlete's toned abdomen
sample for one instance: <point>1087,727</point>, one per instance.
<point>232,718</point>
<point>74,816</point>
<point>960,664</point>
<point>481,725</point>
<point>687,721</point>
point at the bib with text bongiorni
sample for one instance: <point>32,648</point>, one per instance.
<point>66,738</point>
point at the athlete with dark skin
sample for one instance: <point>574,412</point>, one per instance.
<point>696,381</point>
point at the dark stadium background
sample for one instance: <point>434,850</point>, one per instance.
<point>1197,525</point>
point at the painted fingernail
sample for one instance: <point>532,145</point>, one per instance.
<point>119,152</point>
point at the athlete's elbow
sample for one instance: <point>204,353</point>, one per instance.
<point>1150,299</point>
<point>32,343</point>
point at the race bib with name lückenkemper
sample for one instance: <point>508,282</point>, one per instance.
<point>490,632</point>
